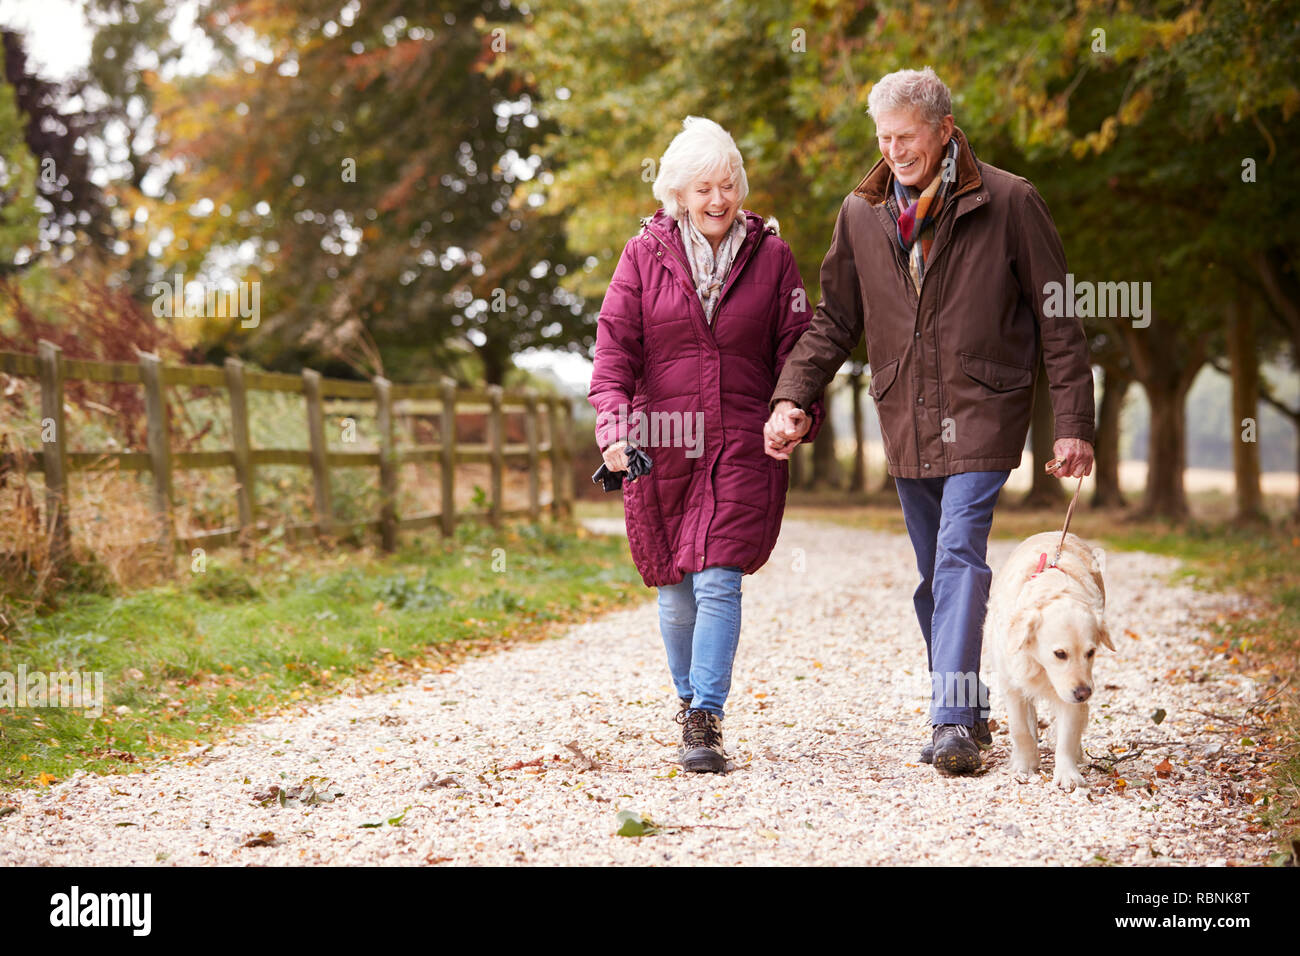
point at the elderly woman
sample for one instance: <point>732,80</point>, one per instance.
<point>704,306</point>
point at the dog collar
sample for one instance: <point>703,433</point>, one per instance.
<point>1042,566</point>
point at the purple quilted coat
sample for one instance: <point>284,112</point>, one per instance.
<point>696,398</point>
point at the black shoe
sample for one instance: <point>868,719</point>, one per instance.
<point>701,741</point>
<point>955,750</point>
<point>981,732</point>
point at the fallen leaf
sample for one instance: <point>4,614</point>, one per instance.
<point>583,761</point>
<point>1164,768</point>
<point>632,824</point>
<point>521,764</point>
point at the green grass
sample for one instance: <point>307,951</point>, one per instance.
<point>185,662</point>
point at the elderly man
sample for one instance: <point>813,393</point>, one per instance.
<point>944,261</point>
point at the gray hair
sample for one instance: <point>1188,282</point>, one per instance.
<point>907,89</point>
<point>699,148</point>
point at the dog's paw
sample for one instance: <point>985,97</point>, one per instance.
<point>1067,778</point>
<point>1024,767</point>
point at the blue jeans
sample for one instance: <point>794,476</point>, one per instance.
<point>700,621</point>
<point>948,520</point>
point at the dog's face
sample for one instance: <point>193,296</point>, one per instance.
<point>1062,637</point>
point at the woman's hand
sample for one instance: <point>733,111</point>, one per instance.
<point>788,424</point>
<point>616,456</point>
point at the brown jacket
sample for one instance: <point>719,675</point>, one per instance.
<point>952,371</point>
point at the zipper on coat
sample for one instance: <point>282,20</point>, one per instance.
<point>938,368</point>
<point>695,296</point>
<point>717,310</point>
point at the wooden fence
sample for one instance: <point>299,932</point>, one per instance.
<point>54,459</point>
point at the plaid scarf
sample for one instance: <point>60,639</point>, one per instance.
<point>918,214</point>
<point>710,271</point>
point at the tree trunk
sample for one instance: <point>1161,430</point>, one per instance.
<point>825,466</point>
<point>1107,494</point>
<point>1046,491</point>
<point>1165,495</point>
<point>494,365</point>
<point>1277,276</point>
<point>1245,412</point>
<point>1166,364</point>
<point>859,481</point>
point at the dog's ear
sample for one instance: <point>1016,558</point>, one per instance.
<point>1103,633</point>
<point>1098,569</point>
<point>1023,628</point>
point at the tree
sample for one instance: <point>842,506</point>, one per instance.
<point>48,201</point>
<point>366,174</point>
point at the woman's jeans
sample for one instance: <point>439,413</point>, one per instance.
<point>700,621</point>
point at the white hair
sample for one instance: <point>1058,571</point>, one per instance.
<point>701,147</point>
<point>908,89</point>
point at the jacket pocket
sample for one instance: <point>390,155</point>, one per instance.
<point>999,376</point>
<point>882,378</point>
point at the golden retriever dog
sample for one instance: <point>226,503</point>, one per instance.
<point>1042,631</point>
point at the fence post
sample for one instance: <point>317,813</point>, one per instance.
<point>534,464</point>
<point>448,471</point>
<point>496,439</point>
<point>319,468</point>
<point>160,456</point>
<point>557,467</point>
<point>54,452</point>
<point>245,497</point>
<point>566,459</point>
<point>387,465</point>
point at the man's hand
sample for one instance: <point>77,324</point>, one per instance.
<point>616,456</point>
<point>784,428</point>
<point>1073,456</point>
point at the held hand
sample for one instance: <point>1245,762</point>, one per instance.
<point>1073,458</point>
<point>787,424</point>
<point>616,456</point>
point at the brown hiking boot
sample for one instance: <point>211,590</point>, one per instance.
<point>701,741</point>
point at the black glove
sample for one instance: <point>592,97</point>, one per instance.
<point>638,464</point>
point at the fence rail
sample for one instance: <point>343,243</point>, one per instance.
<point>56,462</point>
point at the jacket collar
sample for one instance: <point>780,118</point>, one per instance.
<point>665,227</point>
<point>878,183</point>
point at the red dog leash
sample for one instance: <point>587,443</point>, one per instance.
<point>1069,513</point>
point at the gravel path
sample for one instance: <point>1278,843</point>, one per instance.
<point>824,724</point>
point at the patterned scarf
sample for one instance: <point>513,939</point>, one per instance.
<point>916,220</point>
<point>710,271</point>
